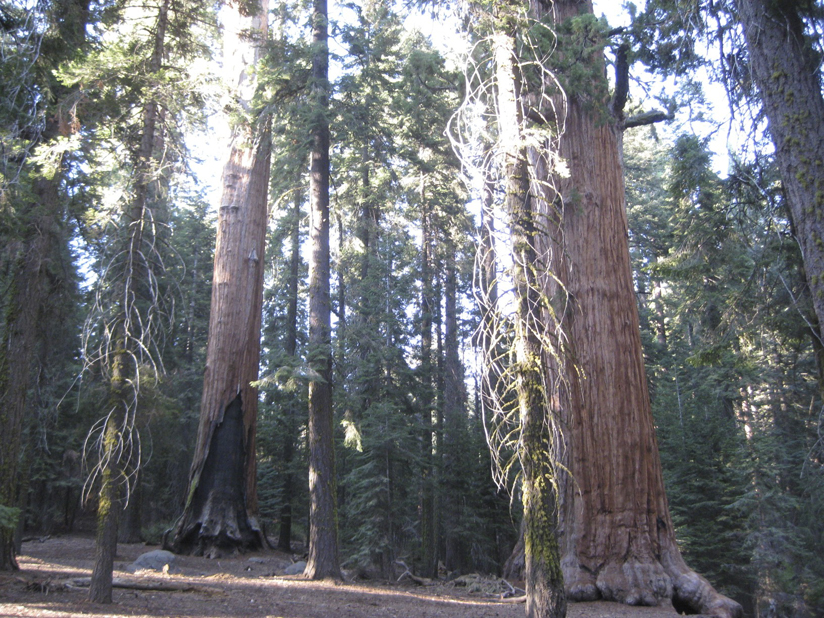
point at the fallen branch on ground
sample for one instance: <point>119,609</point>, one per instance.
<point>513,600</point>
<point>421,581</point>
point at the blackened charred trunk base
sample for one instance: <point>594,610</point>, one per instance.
<point>216,522</point>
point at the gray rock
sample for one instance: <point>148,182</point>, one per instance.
<point>154,561</point>
<point>295,569</point>
<point>257,560</point>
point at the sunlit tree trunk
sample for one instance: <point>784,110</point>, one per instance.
<point>323,560</point>
<point>220,513</point>
<point>544,580</point>
<point>617,537</point>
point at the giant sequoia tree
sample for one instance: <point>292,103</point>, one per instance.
<point>617,537</point>
<point>220,513</point>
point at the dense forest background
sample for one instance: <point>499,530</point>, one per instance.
<point>732,353</point>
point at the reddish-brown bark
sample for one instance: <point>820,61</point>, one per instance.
<point>221,507</point>
<point>617,537</point>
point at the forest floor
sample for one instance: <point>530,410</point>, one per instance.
<point>247,585</point>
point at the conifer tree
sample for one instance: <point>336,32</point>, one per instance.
<point>126,326</point>
<point>787,73</point>
<point>323,561</point>
<point>31,191</point>
<point>221,511</point>
<point>609,420</point>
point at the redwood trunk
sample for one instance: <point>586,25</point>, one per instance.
<point>617,537</point>
<point>786,70</point>
<point>323,560</point>
<point>220,513</point>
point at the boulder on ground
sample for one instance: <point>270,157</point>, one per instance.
<point>154,561</point>
<point>295,569</point>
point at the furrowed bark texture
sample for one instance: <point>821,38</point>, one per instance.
<point>220,513</point>
<point>786,71</point>
<point>323,560</point>
<point>544,579</point>
<point>617,537</point>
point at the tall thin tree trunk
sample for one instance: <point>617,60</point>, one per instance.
<point>220,514</point>
<point>429,539</point>
<point>126,346</point>
<point>323,561</point>
<point>544,579</point>
<point>29,286</point>
<point>291,344</point>
<point>456,554</point>
<point>26,297</point>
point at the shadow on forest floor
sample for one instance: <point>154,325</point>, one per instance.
<point>245,585</point>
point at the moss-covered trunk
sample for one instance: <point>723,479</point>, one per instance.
<point>544,580</point>
<point>116,462</point>
<point>108,507</point>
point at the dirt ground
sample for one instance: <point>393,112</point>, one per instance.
<point>248,585</point>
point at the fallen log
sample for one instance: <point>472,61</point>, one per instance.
<point>117,582</point>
